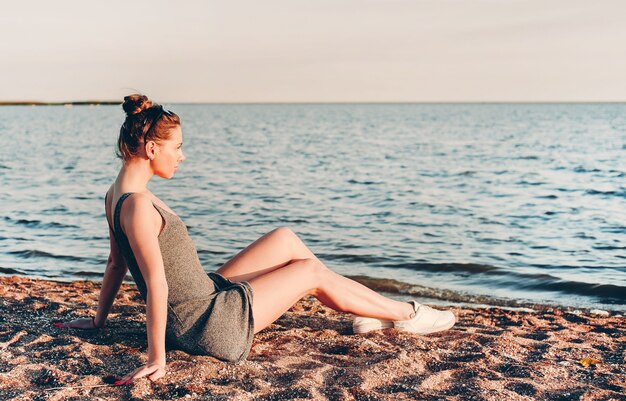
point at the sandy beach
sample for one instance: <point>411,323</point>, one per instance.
<point>309,353</point>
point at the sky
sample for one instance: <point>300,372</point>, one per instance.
<point>234,51</point>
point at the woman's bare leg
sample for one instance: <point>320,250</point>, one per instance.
<point>275,292</point>
<point>282,270</point>
<point>272,251</point>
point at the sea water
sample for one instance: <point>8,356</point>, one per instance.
<point>513,202</point>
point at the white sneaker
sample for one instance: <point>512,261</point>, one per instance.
<point>362,324</point>
<point>426,320</point>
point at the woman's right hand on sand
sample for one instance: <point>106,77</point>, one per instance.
<point>152,370</point>
<point>85,323</point>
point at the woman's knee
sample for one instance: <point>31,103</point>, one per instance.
<point>284,233</point>
<point>315,272</point>
<point>286,237</point>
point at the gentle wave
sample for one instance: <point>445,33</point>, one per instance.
<point>491,275</point>
<point>607,293</point>
<point>38,223</point>
<point>391,263</point>
<point>93,275</point>
<point>34,253</point>
<point>604,293</point>
<point>620,193</point>
<point>8,270</point>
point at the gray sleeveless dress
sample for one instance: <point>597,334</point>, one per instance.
<point>207,314</point>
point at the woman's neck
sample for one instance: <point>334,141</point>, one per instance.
<point>134,176</point>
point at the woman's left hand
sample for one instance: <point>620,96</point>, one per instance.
<point>85,323</point>
<point>153,371</point>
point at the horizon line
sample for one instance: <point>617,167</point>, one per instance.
<point>117,102</point>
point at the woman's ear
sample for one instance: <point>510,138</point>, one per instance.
<point>151,150</point>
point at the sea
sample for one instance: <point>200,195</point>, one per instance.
<point>497,204</point>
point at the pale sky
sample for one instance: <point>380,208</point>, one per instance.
<point>314,50</point>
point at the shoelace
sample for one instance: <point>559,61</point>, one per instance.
<point>415,313</point>
<point>426,308</point>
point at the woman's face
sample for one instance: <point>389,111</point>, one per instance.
<point>170,154</point>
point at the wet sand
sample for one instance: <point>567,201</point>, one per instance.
<point>309,353</point>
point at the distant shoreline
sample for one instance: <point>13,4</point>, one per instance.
<point>487,102</point>
<point>77,103</point>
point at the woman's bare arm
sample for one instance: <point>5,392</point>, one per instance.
<point>142,229</point>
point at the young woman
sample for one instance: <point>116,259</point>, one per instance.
<point>217,313</point>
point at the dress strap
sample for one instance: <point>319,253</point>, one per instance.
<point>105,211</point>
<point>116,216</point>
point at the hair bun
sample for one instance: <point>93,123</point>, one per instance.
<point>135,104</point>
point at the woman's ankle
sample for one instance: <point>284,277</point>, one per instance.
<point>406,311</point>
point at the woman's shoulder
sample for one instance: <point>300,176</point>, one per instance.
<point>137,210</point>
<point>112,198</point>
<point>137,201</point>
<point>159,203</point>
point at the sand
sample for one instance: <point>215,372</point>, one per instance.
<point>309,353</point>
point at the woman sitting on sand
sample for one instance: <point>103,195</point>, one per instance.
<point>217,313</point>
